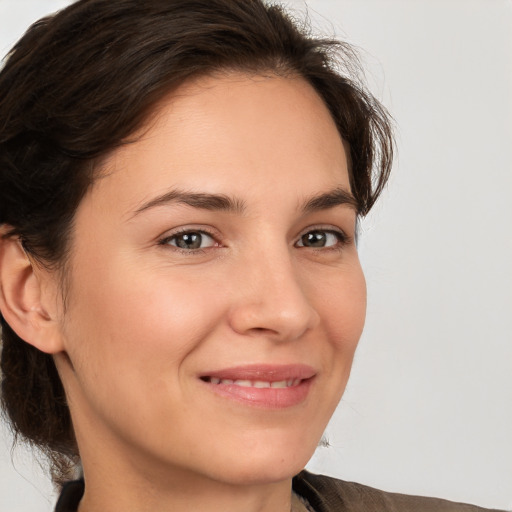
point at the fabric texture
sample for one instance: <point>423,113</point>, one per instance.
<point>324,494</point>
<point>70,496</point>
<point>299,504</point>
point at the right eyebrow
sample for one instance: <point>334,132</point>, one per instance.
<point>201,200</point>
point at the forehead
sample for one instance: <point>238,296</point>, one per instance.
<point>244,132</point>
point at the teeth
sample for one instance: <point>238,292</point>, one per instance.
<point>261,384</point>
<point>256,383</point>
<point>279,384</point>
<point>243,383</point>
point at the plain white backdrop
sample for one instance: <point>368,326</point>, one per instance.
<point>428,409</point>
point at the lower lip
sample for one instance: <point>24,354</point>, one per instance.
<point>266,398</point>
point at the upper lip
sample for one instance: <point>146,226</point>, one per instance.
<point>263,372</point>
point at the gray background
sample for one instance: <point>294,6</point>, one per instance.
<point>428,409</point>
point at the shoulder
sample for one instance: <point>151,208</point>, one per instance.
<point>326,494</point>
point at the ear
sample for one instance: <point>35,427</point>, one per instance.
<point>27,301</point>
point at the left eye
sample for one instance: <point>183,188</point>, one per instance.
<point>190,240</point>
<point>319,238</point>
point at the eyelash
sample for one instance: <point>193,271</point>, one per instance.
<point>342,238</point>
<point>189,252</point>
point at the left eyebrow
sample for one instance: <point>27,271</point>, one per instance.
<point>337,197</point>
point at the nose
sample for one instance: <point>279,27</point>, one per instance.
<point>271,301</point>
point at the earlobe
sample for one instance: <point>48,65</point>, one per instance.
<point>22,298</point>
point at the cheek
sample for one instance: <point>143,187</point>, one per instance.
<point>129,343</point>
<point>342,306</point>
<point>141,326</point>
<point>144,315</point>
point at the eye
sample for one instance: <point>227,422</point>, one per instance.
<point>190,240</point>
<point>319,238</point>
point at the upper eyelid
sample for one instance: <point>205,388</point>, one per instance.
<point>169,234</point>
<point>326,228</point>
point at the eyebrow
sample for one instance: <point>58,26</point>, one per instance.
<point>215,202</point>
<point>196,200</point>
<point>337,197</point>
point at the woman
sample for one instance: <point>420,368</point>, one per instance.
<point>181,291</point>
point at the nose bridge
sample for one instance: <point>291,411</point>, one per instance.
<point>272,300</point>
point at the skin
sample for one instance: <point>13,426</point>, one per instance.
<point>144,319</point>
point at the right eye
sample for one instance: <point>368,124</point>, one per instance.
<point>190,240</point>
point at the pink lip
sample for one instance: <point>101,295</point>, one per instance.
<point>300,376</point>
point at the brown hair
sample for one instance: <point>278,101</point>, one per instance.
<point>80,82</point>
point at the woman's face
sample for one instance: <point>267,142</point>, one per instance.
<point>215,293</point>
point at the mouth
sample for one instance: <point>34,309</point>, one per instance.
<point>263,386</point>
<point>260,384</point>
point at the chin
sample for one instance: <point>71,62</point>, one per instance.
<point>260,475</point>
<point>273,463</point>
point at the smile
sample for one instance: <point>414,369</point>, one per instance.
<point>262,386</point>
